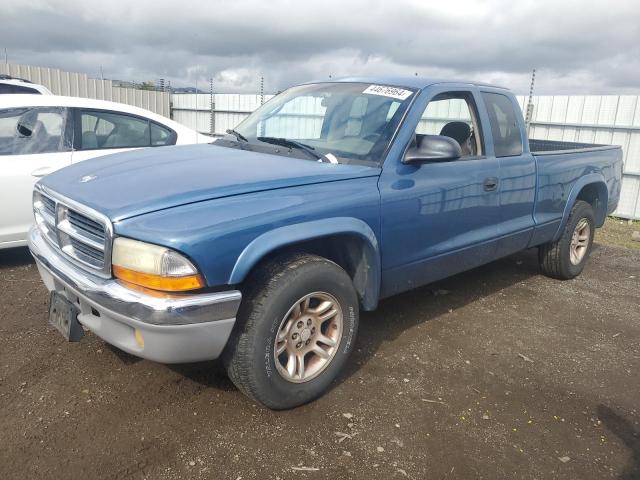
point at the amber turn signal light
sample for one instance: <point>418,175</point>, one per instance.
<point>157,282</point>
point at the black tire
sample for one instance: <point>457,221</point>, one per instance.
<point>270,292</point>
<point>555,257</point>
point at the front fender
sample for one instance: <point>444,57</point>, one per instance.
<point>592,178</point>
<point>299,232</point>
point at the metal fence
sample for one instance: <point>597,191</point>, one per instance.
<point>80,85</point>
<point>213,114</point>
<point>605,119</point>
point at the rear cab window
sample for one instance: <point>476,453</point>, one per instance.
<point>505,131</point>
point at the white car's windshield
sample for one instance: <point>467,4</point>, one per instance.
<point>333,122</point>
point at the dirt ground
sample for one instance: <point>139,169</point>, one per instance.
<point>619,232</point>
<point>495,373</point>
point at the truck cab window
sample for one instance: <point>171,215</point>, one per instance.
<point>299,118</point>
<point>505,131</point>
<point>350,122</point>
<point>452,114</point>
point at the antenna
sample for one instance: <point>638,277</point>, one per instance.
<point>529,112</point>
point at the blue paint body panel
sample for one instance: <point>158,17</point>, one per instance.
<point>141,181</point>
<point>227,208</point>
<point>219,235</point>
<point>561,176</point>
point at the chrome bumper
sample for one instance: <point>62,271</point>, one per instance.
<point>174,330</point>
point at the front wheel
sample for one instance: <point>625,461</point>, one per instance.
<point>566,258</point>
<point>295,330</point>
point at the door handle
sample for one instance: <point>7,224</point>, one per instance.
<point>42,171</point>
<point>490,184</point>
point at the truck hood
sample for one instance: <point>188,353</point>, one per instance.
<point>133,183</point>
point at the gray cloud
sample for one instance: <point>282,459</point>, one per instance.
<point>576,46</point>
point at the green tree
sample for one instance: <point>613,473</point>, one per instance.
<point>147,85</point>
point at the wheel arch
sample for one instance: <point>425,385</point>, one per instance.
<point>347,241</point>
<point>592,189</point>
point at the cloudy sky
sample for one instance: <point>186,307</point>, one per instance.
<point>586,46</point>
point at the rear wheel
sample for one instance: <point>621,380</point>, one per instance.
<point>295,330</point>
<point>566,258</point>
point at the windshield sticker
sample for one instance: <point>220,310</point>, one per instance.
<point>384,91</point>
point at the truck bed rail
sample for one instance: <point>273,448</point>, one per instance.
<point>550,147</point>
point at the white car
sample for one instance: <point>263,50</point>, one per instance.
<point>9,84</point>
<point>43,133</point>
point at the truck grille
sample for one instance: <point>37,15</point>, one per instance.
<point>49,205</point>
<point>85,224</point>
<point>82,235</point>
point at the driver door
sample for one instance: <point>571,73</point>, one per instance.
<point>440,218</point>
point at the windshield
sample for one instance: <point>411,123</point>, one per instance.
<point>332,122</point>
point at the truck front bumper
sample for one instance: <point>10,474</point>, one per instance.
<point>178,329</point>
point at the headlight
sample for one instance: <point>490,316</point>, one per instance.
<point>153,266</point>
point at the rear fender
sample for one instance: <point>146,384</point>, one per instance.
<point>600,215</point>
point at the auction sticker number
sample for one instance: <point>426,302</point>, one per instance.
<point>384,91</point>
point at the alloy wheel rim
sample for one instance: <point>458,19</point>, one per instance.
<point>308,337</point>
<point>580,241</point>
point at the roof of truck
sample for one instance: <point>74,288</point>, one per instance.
<point>411,82</point>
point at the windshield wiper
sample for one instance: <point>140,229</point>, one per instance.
<point>238,135</point>
<point>285,142</point>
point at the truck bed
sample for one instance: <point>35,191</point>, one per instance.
<point>562,167</point>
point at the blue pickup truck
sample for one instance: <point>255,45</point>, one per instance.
<point>262,247</point>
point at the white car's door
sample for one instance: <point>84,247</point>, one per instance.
<point>34,142</point>
<point>104,132</point>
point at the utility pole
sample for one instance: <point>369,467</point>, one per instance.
<point>529,112</point>
<point>212,106</point>
<point>262,90</point>
<point>6,58</point>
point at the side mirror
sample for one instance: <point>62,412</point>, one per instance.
<point>433,148</point>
